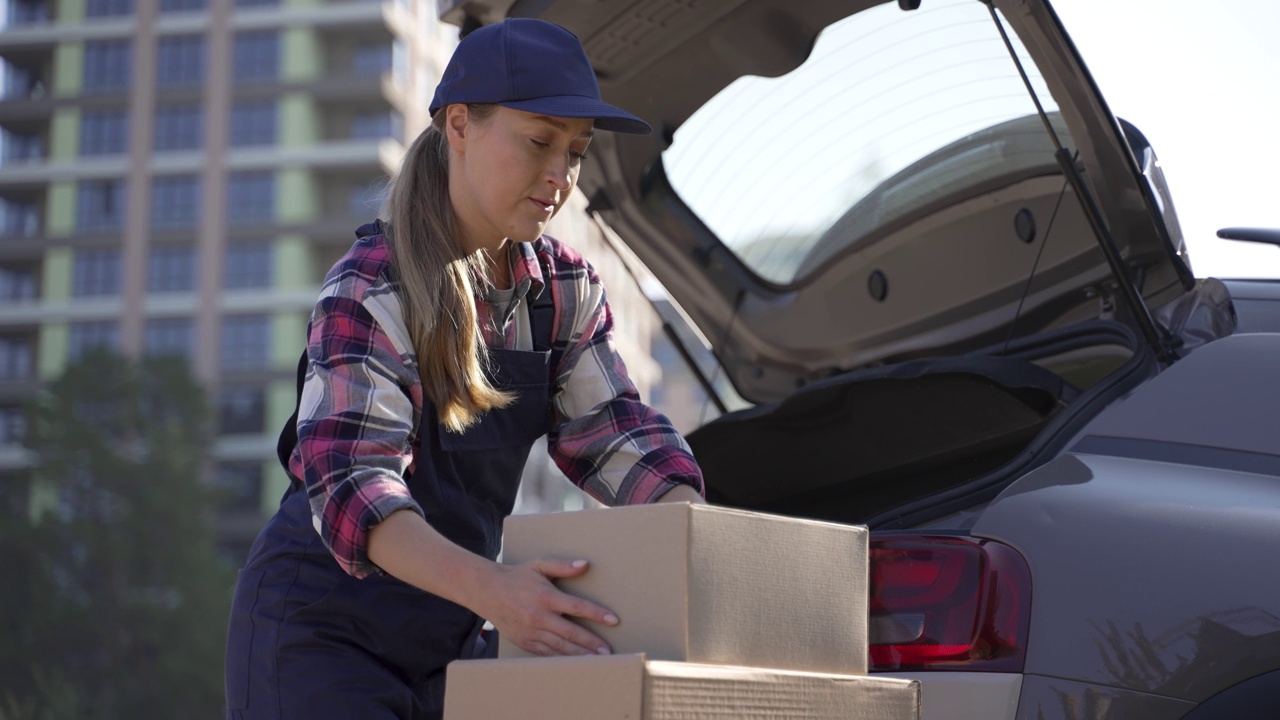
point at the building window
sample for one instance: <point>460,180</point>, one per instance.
<point>251,197</point>
<point>241,409</point>
<point>19,219</point>
<point>100,205</point>
<point>21,147</point>
<point>17,358</point>
<point>106,66</point>
<point>241,487</point>
<point>107,8</point>
<point>103,132</point>
<point>371,59</point>
<point>178,127</point>
<point>18,284</point>
<point>169,337</point>
<point>246,342</point>
<point>171,268</point>
<point>96,273</point>
<point>253,122</point>
<point>180,61</point>
<point>175,201</point>
<point>257,56</point>
<point>364,201</point>
<point>377,125</point>
<point>13,425</point>
<point>181,5</point>
<point>29,12</point>
<point>22,82</point>
<point>86,336</point>
<point>248,265</point>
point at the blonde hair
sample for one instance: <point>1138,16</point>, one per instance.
<point>437,282</point>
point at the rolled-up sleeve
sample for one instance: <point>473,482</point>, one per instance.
<point>356,425</point>
<point>609,443</point>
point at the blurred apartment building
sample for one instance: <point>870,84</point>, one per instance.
<point>176,176</point>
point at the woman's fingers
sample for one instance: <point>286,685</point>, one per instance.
<point>566,604</point>
<point>536,616</point>
<point>577,638</point>
<point>553,568</point>
<point>565,638</point>
<point>574,606</point>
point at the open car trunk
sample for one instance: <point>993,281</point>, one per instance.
<point>862,445</point>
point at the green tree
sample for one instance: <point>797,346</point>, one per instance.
<point>120,602</point>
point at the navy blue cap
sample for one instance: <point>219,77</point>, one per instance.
<point>530,65</point>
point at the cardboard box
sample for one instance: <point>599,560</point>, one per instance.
<point>628,687</point>
<point>705,584</point>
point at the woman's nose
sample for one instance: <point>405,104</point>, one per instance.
<point>560,174</point>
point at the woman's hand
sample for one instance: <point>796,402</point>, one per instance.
<point>518,599</point>
<point>531,613</point>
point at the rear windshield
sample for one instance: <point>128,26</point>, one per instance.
<point>892,113</point>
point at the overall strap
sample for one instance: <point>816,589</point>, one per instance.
<point>542,309</point>
<point>542,312</point>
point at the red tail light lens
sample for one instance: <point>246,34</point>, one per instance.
<point>947,603</point>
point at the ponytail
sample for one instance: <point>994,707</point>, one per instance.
<point>437,283</point>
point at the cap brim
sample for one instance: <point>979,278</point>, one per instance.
<point>607,117</point>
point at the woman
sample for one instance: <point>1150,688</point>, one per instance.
<point>442,346</point>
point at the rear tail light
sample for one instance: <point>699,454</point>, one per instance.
<point>947,603</point>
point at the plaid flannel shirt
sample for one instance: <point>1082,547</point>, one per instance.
<point>362,400</point>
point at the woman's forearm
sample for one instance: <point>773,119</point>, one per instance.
<point>408,548</point>
<point>518,599</point>
<point>681,493</point>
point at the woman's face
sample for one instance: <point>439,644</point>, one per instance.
<point>511,172</point>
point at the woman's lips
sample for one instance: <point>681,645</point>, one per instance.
<point>545,205</point>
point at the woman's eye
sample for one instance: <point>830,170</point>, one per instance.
<point>579,156</point>
<point>540,143</point>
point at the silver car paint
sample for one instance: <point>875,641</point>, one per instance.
<point>1151,576</point>
<point>1146,576</point>
<point>1047,698</point>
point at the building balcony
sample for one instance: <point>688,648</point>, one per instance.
<point>349,14</point>
<point>374,154</point>
<point>39,173</point>
<point>44,36</point>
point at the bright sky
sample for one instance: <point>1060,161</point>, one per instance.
<point>1201,79</point>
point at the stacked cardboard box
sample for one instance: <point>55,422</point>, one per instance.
<point>724,614</point>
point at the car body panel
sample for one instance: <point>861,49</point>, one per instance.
<point>965,695</point>
<point>1223,396</point>
<point>1050,698</point>
<point>1257,303</point>
<point>1147,576</point>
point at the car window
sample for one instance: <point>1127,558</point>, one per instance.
<point>893,111</point>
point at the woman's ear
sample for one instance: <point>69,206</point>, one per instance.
<point>455,126</point>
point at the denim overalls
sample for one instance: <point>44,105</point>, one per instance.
<point>308,641</point>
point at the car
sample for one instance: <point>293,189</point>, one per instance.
<point>952,290</point>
